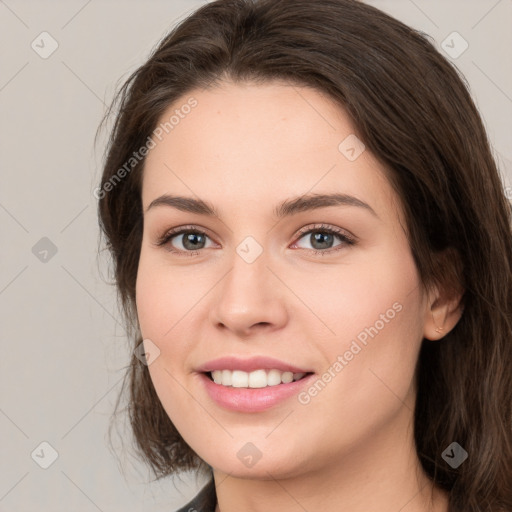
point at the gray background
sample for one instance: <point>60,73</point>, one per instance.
<point>63,343</point>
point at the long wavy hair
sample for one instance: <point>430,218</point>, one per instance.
<point>414,112</point>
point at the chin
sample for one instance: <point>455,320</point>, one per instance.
<point>250,462</point>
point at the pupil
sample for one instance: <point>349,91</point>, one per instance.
<point>321,240</point>
<point>192,241</point>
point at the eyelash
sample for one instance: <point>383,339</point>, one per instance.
<point>322,228</point>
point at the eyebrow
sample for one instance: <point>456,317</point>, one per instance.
<point>285,209</point>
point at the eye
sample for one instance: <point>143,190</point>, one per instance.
<point>322,239</point>
<point>185,240</point>
<point>189,240</point>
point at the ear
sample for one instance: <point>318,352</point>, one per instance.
<point>444,305</point>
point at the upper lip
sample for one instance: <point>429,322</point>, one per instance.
<point>249,365</point>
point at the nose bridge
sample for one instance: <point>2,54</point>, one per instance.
<point>246,284</point>
<point>247,296</point>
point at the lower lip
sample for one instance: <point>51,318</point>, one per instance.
<point>252,399</point>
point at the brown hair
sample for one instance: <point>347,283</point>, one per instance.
<point>413,111</point>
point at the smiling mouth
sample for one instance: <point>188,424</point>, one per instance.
<point>256,379</point>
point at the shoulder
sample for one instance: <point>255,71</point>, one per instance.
<point>204,501</point>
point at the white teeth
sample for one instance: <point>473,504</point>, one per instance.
<point>226,378</point>
<point>273,378</point>
<point>254,379</point>
<point>258,379</point>
<point>287,377</point>
<point>239,379</point>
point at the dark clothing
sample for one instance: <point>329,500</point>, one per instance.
<point>204,501</point>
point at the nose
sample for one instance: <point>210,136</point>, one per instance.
<point>249,299</point>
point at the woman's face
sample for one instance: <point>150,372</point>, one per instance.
<point>303,259</point>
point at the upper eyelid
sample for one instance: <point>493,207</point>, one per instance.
<point>325,227</point>
<point>185,228</point>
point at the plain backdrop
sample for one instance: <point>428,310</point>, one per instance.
<point>63,343</point>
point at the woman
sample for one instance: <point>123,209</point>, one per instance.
<point>312,241</point>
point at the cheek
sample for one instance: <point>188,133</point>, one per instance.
<point>378,338</point>
<point>346,301</point>
<point>172,308</point>
<point>163,296</point>
<point>163,299</point>
<point>374,314</point>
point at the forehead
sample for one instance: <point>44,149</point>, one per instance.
<point>277,113</point>
<point>249,141</point>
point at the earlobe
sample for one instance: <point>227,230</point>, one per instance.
<point>439,327</point>
<point>442,316</point>
<point>439,330</point>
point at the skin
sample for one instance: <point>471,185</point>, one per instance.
<point>244,149</point>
